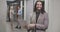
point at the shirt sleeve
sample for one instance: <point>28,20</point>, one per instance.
<point>19,12</point>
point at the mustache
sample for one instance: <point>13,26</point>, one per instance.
<point>38,7</point>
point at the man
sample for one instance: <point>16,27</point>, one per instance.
<point>19,18</point>
<point>39,18</point>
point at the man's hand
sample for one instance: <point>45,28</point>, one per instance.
<point>31,26</point>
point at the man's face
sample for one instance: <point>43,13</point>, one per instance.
<point>39,5</point>
<point>18,7</point>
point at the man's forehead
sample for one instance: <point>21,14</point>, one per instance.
<point>39,3</point>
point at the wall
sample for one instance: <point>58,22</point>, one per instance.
<point>3,11</point>
<point>54,17</point>
<point>51,14</point>
<point>56,22</point>
<point>29,9</point>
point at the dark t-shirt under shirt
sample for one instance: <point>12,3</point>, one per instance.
<point>37,15</point>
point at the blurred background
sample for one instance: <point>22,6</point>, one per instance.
<point>26,6</point>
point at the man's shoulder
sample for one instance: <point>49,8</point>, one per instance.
<point>46,14</point>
